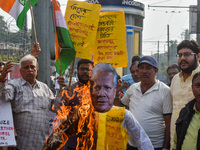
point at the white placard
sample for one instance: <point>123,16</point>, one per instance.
<point>7,136</point>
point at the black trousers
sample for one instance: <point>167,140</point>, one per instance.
<point>135,148</point>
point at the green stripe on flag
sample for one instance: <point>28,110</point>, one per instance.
<point>22,15</point>
<point>66,57</point>
<point>67,53</point>
<point>64,37</point>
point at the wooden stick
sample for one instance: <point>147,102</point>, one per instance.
<point>71,75</point>
<point>33,22</point>
<point>60,73</point>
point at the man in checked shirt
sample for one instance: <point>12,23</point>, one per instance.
<point>31,101</point>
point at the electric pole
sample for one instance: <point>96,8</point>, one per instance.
<point>168,53</point>
<point>43,15</point>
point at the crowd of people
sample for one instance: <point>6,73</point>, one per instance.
<point>155,115</point>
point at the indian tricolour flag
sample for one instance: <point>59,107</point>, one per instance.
<point>65,52</point>
<point>17,9</point>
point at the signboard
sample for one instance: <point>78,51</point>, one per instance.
<point>111,39</point>
<point>7,136</point>
<point>131,3</point>
<point>82,20</point>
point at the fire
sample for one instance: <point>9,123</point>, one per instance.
<point>87,118</point>
<point>82,122</point>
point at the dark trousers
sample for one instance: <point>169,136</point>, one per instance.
<point>135,148</point>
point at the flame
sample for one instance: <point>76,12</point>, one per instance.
<point>87,118</point>
<point>86,126</point>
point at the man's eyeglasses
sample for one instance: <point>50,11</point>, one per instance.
<point>187,54</point>
<point>84,69</point>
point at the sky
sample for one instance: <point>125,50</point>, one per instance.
<point>155,22</point>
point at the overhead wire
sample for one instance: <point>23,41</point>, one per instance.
<point>164,30</point>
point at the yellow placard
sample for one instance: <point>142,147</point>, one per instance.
<point>82,21</point>
<point>111,39</point>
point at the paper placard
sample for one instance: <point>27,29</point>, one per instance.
<point>111,39</point>
<point>82,20</point>
<point>7,136</point>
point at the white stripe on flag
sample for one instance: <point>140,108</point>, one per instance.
<point>60,21</point>
<point>16,9</point>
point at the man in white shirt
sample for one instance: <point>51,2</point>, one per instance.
<point>150,102</point>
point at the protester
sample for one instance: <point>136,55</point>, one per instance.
<point>151,104</point>
<point>31,101</point>
<point>172,70</point>
<point>132,78</point>
<point>187,134</point>
<point>134,71</point>
<point>188,61</point>
<point>103,90</point>
<point>84,68</point>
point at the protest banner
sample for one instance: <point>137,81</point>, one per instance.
<point>7,136</point>
<point>82,20</point>
<point>111,39</point>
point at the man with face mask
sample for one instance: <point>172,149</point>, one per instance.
<point>188,61</point>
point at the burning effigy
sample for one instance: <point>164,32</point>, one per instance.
<point>96,122</point>
<point>82,122</point>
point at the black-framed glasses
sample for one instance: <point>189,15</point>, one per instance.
<point>186,54</point>
<point>84,69</point>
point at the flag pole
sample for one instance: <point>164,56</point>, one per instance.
<point>71,75</point>
<point>60,73</point>
<point>33,22</point>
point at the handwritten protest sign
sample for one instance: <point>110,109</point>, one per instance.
<point>111,39</point>
<point>7,137</point>
<point>82,20</point>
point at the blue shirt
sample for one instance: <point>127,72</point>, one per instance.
<point>129,79</point>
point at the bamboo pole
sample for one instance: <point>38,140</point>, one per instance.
<point>33,22</point>
<point>60,73</point>
<point>71,75</point>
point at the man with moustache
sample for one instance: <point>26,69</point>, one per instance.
<point>134,71</point>
<point>150,102</point>
<point>31,102</point>
<point>133,76</point>
<point>172,70</point>
<point>84,68</point>
<point>181,90</point>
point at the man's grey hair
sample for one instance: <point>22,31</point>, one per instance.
<point>26,58</point>
<point>104,67</point>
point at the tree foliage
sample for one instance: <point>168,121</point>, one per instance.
<point>18,39</point>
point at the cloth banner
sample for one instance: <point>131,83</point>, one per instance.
<point>111,134</point>
<point>7,136</point>
<point>82,21</point>
<point>111,39</point>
